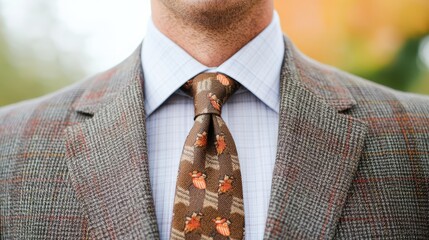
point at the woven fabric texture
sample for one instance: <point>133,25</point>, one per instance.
<point>352,159</point>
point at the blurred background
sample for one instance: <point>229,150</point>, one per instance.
<point>46,45</point>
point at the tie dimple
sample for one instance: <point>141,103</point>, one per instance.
<point>209,197</point>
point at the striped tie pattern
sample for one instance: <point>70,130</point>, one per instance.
<point>209,197</point>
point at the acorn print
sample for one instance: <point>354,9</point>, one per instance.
<point>214,101</point>
<point>222,226</point>
<point>201,140</point>
<point>198,179</point>
<point>220,144</point>
<point>222,79</point>
<point>225,185</point>
<point>194,222</point>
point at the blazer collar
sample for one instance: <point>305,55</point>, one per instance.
<point>107,155</point>
<point>321,80</point>
<point>317,153</point>
<point>109,86</point>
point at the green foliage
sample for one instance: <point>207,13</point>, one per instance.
<point>24,76</point>
<point>404,71</point>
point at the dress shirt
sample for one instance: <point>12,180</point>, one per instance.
<point>251,114</point>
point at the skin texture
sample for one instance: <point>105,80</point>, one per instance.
<point>211,31</point>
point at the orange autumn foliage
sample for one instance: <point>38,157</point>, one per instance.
<point>353,34</point>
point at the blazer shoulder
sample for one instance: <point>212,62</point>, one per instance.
<point>43,117</point>
<point>367,94</point>
<point>384,109</point>
<point>58,106</point>
<point>371,94</point>
<point>56,102</point>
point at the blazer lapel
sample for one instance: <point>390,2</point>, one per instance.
<point>317,154</point>
<point>107,155</point>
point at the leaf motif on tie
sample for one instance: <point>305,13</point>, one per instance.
<point>222,226</point>
<point>222,79</point>
<point>225,185</point>
<point>192,223</point>
<point>220,144</point>
<point>201,140</point>
<point>214,101</point>
<point>198,179</point>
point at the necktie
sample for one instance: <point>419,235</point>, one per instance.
<point>209,196</point>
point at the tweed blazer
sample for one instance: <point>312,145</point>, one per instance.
<point>352,159</point>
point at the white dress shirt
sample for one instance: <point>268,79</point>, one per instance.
<point>251,114</point>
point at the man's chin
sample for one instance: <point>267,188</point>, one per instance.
<point>208,12</point>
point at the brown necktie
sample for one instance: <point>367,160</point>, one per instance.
<point>209,195</point>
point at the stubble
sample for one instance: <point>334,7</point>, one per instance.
<point>210,15</point>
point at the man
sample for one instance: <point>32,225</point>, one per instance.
<point>323,154</point>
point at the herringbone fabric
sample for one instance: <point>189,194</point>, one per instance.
<point>352,159</point>
<point>209,195</point>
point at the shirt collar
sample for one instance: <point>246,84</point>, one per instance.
<point>256,66</point>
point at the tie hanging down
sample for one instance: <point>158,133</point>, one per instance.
<point>209,197</point>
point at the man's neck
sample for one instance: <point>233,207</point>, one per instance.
<point>209,45</point>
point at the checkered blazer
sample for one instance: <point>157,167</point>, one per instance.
<point>352,159</point>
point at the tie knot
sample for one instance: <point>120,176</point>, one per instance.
<point>210,91</point>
